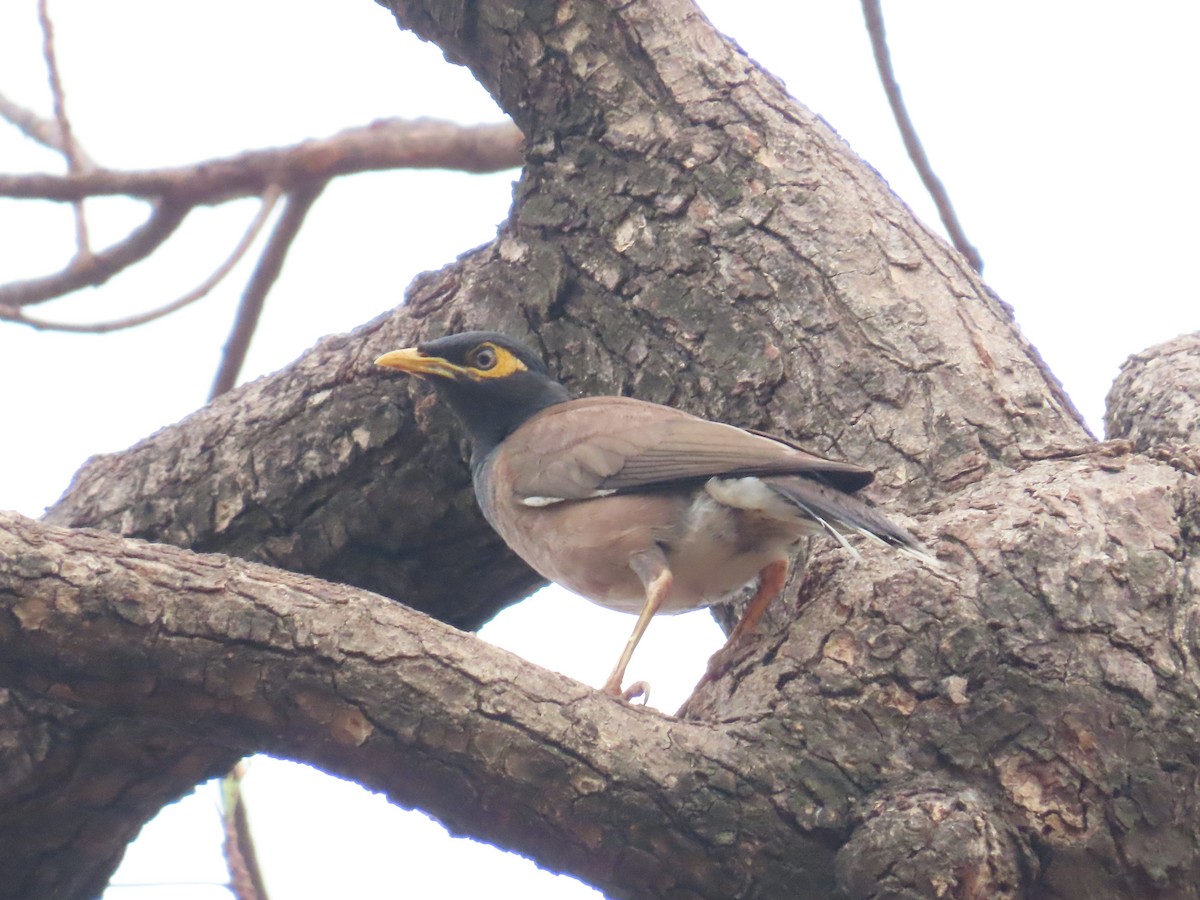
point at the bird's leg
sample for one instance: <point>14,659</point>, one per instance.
<point>651,567</point>
<point>770,582</point>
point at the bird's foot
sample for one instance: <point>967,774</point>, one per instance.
<point>629,694</point>
<point>635,690</point>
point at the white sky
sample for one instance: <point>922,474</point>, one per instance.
<point>1066,134</point>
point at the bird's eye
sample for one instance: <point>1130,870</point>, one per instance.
<point>483,358</point>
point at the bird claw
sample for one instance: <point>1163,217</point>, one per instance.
<point>635,690</point>
<point>631,693</point>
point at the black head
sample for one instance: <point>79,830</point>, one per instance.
<point>492,382</point>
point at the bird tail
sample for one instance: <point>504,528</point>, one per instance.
<point>839,514</point>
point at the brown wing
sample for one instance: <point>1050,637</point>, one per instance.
<point>598,445</point>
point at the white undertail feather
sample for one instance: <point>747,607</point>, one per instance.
<point>838,536</point>
<point>836,513</point>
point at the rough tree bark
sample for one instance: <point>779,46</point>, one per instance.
<point>1024,725</point>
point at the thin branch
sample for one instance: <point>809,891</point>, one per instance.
<point>64,123</point>
<point>99,267</point>
<point>245,874</point>
<point>386,144</point>
<point>269,199</point>
<point>44,131</point>
<point>268,268</point>
<point>383,145</point>
<point>56,86</point>
<point>908,132</point>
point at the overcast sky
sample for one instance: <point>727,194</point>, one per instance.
<point>1066,134</point>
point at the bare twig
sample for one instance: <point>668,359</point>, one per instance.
<point>269,265</point>
<point>64,124</point>
<point>45,131</point>
<point>387,144</point>
<point>245,875</point>
<point>908,132</point>
<point>14,314</point>
<point>98,268</point>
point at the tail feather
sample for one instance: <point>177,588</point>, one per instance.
<point>840,514</point>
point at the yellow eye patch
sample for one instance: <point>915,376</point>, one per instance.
<point>489,361</point>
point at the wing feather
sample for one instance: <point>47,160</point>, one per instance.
<point>599,445</point>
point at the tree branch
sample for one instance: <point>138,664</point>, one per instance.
<point>493,746</point>
<point>908,132</point>
<point>44,131</point>
<point>74,162</point>
<point>241,855</point>
<point>1155,400</point>
<point>95,269</point>
<point>269,265</point>
<point>14,314</point>
<point>385,144</point>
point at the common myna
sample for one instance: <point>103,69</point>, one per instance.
<point>639,507</point>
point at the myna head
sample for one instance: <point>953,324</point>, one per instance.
<point>492,382</point>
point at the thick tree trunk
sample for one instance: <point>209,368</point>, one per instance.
<point>1022,724</point>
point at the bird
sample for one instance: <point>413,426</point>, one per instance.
<point>637,506</point>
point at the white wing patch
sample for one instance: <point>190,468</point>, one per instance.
<point>537,502</point>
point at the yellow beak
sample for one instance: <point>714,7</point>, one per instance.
<point>412,361</point>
